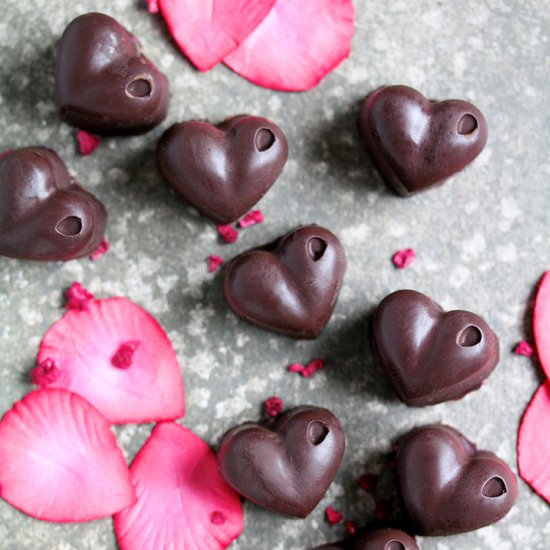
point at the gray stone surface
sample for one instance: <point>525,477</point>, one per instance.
<point>482,242</point>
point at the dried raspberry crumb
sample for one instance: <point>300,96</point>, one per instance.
<point>214,262</point>
<point>252,218</point>
<point>382,509</point>
<point>153,6</point>
<point>313,367</point>
<point>87,143</point>
<point>296,367</point>
<point>228,232</point>
<point>217,518</point>
<point>273,406</point>
<point>524,348</point>
<point>368,482</point>
<point>6,152</point>
<point>403,258</point>
<point>351,527</point>
<point>78,297</point>
<point>45,373</point>
<point>123,357</point>
<point>333,516</point>
<point>101,251</point>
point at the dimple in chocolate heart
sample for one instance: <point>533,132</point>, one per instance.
<point>289,286</point>
<point>288,467</point>
<point>430,355</point>
<point>416,143</point>
<point>448,485</point>
<point>223,170</point>
<point>44,213</point>
<point>375,539</point>
<point>103,82</point>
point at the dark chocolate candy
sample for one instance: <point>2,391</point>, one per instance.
<point>103,83</point>
<point>44,213</point>
<point>448,485</point>
<point>416,143</point>
<point>288,466</point>
<point>223,170</point>
<point>430,355</point>
<point>289,286</point>
<point>375,539</point>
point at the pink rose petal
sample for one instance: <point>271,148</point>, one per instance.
<point>228,232</point>
<point>403,258</point>
<point>87,143</point>
<point>524,348</point>
<point>534,443</point>
<point>207,30</point>
<point>101,251</point>
<point>296,45</point>
<point>541,323</point>
<point>252,218</point>
<point>214,262</point>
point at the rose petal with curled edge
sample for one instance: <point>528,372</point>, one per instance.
<point>534,443</point>
<point>541,323</point>
<point>208,30</point>
<point>297,44</point>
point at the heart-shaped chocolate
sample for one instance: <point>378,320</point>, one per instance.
<point>103,83</point>
<point>289,286</point>
<point>44,213</point>
<point>223,170</point>
<point>416,143</point>
<point>448,485</point>
<point>286,467</point>
<point>431,355</point>
<point>375,539</point>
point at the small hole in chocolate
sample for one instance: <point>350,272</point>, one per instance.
<point>394,545</point>
<point>469,337</point>
<point>69,226</point>
<point>316,248</point>
<point>317,432</point>
<point>139,88</point>
<point>467,125</point>
<point>264,139</point>
<point>494,487</point>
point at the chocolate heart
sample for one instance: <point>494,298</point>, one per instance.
<point>223,170</point>
<point>289,286</point>
<point>103,83</point>
<point>44,214</point>
<point>430,355</point>
<point>375,539</point>
<point>416,143</point>
<point>287,467</point>
<point>448,485</point>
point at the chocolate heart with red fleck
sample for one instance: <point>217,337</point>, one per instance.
<point>286,467</point>
<point>289,286</point>
<point>103,82</point>
<point>416,143</point>
<point>223,170</point>
<point>448,485</point>
<point>430,355</point>
<point>44,213</point>
<point>375,539</point>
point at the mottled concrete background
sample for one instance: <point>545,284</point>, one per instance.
<point>482,243</point>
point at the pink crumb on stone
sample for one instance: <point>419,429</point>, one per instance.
<point>403,258</point>
<point>524,348</point>
<point>124,355</point>
<point>333,516</point>
<point>273,406</point>
<point>6,152</point>
<point>368,482</point>
<point>45,373</point>
<point>296,367</point>
<point>382,510</point>
<point>228,232</point>
<point>101,251</point>
<point>87,143</point>
<point>351,527</point>
<point>214,262</point>
<point>78,297</point>
<point>309,370</point>
<point>217,518</point>
<point>153,6</point>
<point>252,218</point>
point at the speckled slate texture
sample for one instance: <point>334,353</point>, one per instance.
<point>482,242</point>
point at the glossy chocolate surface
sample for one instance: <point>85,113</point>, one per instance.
<point>44,213</point>
<point>375,539</point>
<point>223,170</point>
<point>431,355</point>
<point>286,467</point>
<point>289,286</point>
<point>448,485</point>
<point>103,82</point>
<point>416,143</point>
